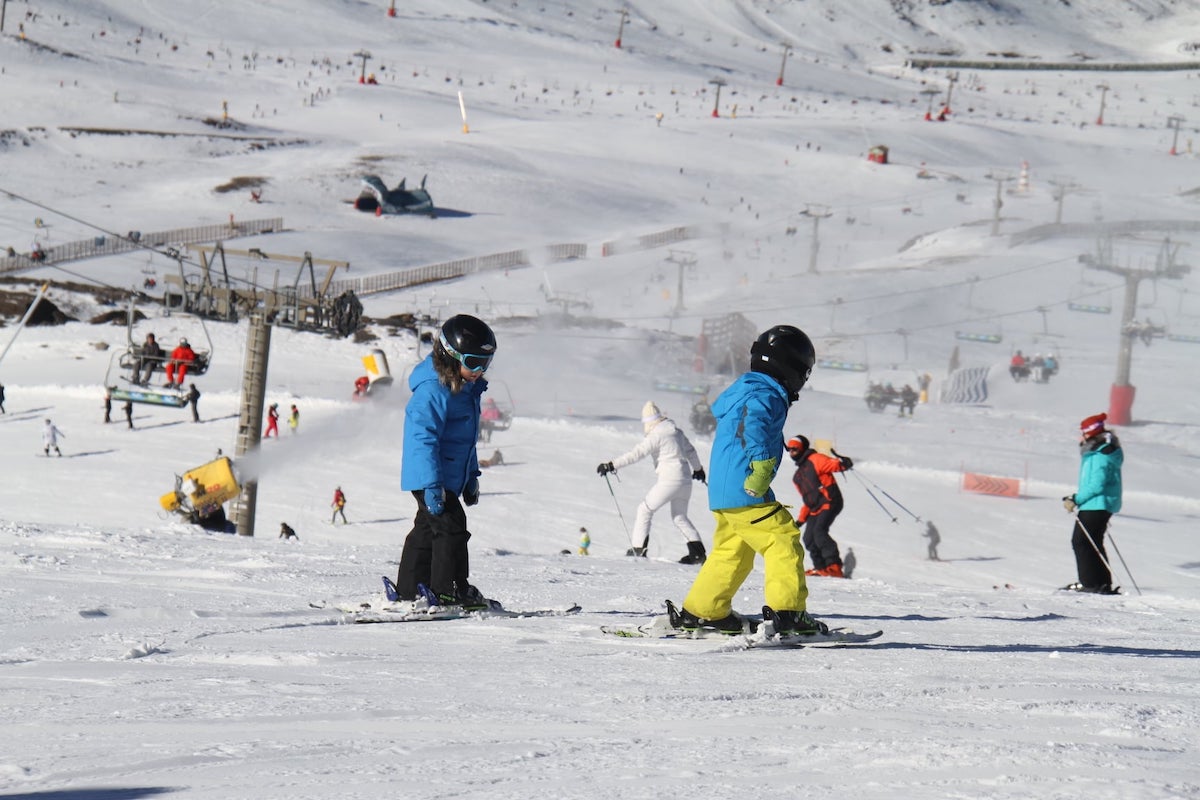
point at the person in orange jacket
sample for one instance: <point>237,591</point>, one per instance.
<point>822,503</point>
<point>181,358</point>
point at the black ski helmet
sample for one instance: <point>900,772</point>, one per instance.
<point>469,341</point>
<point>786,354</point>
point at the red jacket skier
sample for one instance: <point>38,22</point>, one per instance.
<point>822,503</point>
<point>272,421</point>
<point>181,358</point>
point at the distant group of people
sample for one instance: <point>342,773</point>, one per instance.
<point>1144,330</point>
<point>293,420</point>
<point>880,395</point>
<point>1040,368</point>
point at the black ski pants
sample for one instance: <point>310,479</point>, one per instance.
<point>435,551</point>
<point>1087,540</point>
<point>822,549</point>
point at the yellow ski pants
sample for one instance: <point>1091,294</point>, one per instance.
<point>741,532</point>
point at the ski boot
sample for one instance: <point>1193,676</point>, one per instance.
<point>794,623</point>
<point>695,554</point>
<point>684,620</point>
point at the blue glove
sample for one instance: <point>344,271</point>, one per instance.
<point>471,492</point>
<point>435,502</point>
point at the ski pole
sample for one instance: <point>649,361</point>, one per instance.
<point>618,505</point>
<point>894,500</point>
<point>1117,550</point>
<point>873,497</point>
<point>1105,561</point>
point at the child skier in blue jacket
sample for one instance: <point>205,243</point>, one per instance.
<point>747,448</point>
<point>441,426</point>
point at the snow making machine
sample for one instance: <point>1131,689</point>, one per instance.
<point>201,493</point>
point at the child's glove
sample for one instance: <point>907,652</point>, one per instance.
<point>605,468</point>
<point>471,492</point>
<point>699,475</point>
<point>758,482</point>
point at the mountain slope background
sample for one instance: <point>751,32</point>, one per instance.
<point>144,656</point>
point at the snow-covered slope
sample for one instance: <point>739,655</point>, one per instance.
<point>143,656</point>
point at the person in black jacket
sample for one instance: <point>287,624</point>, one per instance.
<point>150,356</point>
<point>193,397</point>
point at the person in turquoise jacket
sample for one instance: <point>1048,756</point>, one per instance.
<point>1095,501</point>
<point>441,426</point>
<point>747,447</point>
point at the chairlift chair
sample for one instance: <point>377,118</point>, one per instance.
<point>129,359</point>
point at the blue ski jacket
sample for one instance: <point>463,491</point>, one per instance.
<point>750,416</point>
<point>1100,474</point>
<point>440,431</point>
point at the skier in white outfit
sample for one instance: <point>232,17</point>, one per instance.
<point>677,465</point>
<point>50,436</point>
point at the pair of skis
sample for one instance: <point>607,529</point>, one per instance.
<point>755,632</point>
<point>427,608</point>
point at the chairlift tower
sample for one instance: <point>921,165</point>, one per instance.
<point>250,415</point>
<point>931,93</point>
<point>1173,122</point>
<point>682,259</point>
<point>1104,87</point>
<point>1000,177</point>
<point>365,55</point>
<point>624,12</point>
<point>816,212</point>
<point>1062,187</point>
<point>1120,403</point>
<point>717,82</point>
<point>951,79</point>
<point>787,48</point>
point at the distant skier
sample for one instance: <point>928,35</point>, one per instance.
<point>128,408</point>
<point>676,465</point>
<point>182,357</point>
<point>1096,500</point>
<point>286,532</point>
<point>272,421</point>
<point>2,411</point>
<point>931,533</point>
<point>585,541</point>
<point>338,505</point>
<point>193,398</point>
<point>849,562</point>
<point>107,406</point>
<point>50,435</point>
<point>822,503</point>
<point>908,400</point>
<point>294,419</point>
